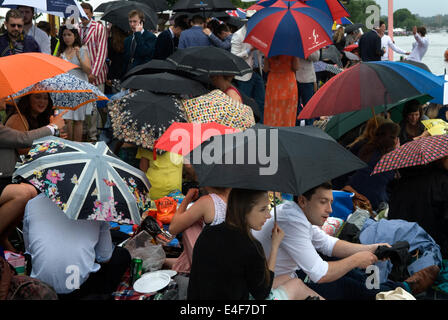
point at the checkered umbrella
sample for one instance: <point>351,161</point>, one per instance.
<point>414,153</point>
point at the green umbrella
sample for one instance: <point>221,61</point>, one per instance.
<point>342,123</point>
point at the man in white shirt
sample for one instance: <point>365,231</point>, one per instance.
<point>251,84</point>
<point>306,78</point>
<point>76,257</point>
<point>31,30</point>
<point>298,254</point>
<point>420,46</point>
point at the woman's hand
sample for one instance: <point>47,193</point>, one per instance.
<point>192,194</point>
<point>277,235</point>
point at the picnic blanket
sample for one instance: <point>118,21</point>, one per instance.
<point>126,292</point>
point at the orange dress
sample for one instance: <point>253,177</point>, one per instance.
<point>281,99</point>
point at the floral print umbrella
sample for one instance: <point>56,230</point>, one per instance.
<point>87,181</point>
<point>66,91</point>
<point>141,117</point>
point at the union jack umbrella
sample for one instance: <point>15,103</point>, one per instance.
<point>414,153</point>
<point>239,13</point>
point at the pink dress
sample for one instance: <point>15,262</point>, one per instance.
<point>190,235</point>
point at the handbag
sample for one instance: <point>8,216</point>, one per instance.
<point>218,107</point>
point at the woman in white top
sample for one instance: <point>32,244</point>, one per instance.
<point>207,210</point>
<point>71,49</point>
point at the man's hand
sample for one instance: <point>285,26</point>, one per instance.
<point>414,30</point>
<point>365,259</point>
<point>207,31</point>
<point>139,27</point>
<point>57,120</point>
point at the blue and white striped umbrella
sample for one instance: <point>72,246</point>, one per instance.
<point>61,8</point>
<point>66,91</point>
<point>86,181</point>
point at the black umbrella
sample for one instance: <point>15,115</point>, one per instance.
<point>141,117</point>
<point>203,5</point>
<point>117,14</point>
<point>209,60</point>
<point>157,5</point>
<point>417,64</point>
<point>353,27</point>
<point>282,159</point>
<point>158,66</point>
<point>165,83</point>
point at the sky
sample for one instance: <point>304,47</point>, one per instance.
<point>424,8</point>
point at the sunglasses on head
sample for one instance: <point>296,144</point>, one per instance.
<point>16,25</point>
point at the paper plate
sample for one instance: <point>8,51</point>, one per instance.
<point>152,282</point>
<point>170,273</point>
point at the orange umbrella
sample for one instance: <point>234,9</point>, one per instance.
<point>22,70</point>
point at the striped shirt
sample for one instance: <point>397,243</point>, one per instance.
<point>95,39</point>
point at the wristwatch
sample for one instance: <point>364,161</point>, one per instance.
<point>55,129</point>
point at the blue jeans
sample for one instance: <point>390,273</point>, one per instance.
<point>351,286</point>
<point>255,89</point>
<point>306,91</point>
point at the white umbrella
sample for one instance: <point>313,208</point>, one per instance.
<point>61,8</point>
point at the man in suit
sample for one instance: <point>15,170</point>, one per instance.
<point>14,197</point>
<point>33,31</point>
<point>138,47</point>
<point>195,36</point>
<point>93,36</point>
<point>168,41</point>
<point>370,44</point>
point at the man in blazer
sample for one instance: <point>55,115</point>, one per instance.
<point>168,41</point>
<point>370,45</point>
<point>138,47</point>
<point>14,197</point>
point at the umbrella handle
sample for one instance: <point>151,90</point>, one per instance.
<point>374,116</point>
<point>275,210</point>
<point>19,113</point>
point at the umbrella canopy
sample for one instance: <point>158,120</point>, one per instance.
<point>370,84</point>
<point>414,153</point>
<point>165,83</point>
<point>203,5</point>
<point>62,92</point>
<point>238,12</point>
<point>117,14</point>
<point>352,56</point>
<point>181,138</point>
<point>157,5</point>
<point>343,21</point>
<point>272,158</point>
<point>333,54</point>
<point>417,64</point>
<point>61,8</point>
<point>15,73</point>
<point>141,117</point>
<point>157,66</point>
<point>209,60</point>
<point>216,106</point>
<point>332,8</point>
<point>289,28</point>
<point>342,123</point>
<point>86,181</point>
<point>353,27</point>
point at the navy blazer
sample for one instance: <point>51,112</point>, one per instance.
<point>165,45</point>
<point>370,46</point>
<point>144,50</point>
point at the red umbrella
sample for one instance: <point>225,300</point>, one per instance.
<point>351,47</point>
<point>181,138</point>
<point>415,153</point>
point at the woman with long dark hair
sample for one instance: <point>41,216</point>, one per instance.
<point>71,49</point>
<point>412,127</point>
<point>35,112</point>
<point>374,187</point>
<point>230,264</point>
